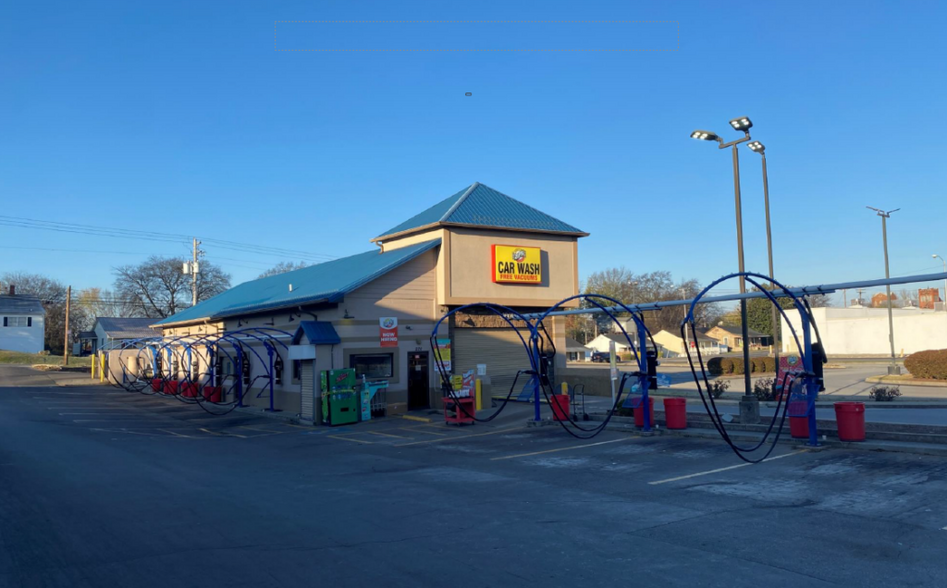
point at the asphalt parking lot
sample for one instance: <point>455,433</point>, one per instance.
<point>100,487</point>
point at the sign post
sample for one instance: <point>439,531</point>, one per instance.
<point>613,367</point>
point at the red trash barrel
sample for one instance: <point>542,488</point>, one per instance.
<point>189,390</point>
<point>850,417</point>
<point>156,384</point>
<point>560,407</point>
<point>675,413</point>
<point>639,411</point>
<point>799,427</point>
<point>213,393</point>
<point>171,387</point>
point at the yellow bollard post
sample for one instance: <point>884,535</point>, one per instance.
<point>479,389</point>
<point>102,369</point>
<point>565,389</point>
<point>94,358</point>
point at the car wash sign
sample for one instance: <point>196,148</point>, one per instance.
<point>388,331</point>
<point>513,264</point>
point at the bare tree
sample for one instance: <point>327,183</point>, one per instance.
<point>283,267</point>
<point>629,288</point>
<point>158,288</point>
<point>52,293</point>
<point>95,302</point>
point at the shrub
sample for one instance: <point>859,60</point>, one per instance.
<point>713,366</point>
<point>726,365</point>
<point>930,364</point>
<point>756,365</point>
<point>765,390</point>
<point>769,364</point>
<point>625,356</point>
<point>738,365</point>
<point>718,387</point>
<point>884,393</point>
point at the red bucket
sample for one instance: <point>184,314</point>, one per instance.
<point>799,427</point>
<point>171,387</point>
<point>675,413</point>
<point>189,390</point>
<point>639,411</point>
<point>156,384</point>
<point>213,393</point>
<point>560,407</point>
<point>850,417</point>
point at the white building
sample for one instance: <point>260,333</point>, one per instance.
<point>864,331</point>
<point>603,341</point>
<point>110,332</point>
<point>24,323</point>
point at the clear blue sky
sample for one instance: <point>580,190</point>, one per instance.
<point>182,118</point>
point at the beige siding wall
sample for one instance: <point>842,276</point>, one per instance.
<point>441,254</point>
<point>471,271</point>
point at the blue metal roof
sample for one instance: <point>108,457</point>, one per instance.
<point>317,333</point>
<point>482,206</point>
<point>325,282</point>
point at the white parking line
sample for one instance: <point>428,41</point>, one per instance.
<point>733,467</point>
<point>558,449</point>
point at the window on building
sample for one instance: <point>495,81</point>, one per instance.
<point>297,370</point>
<point>17,321</point>
<point>373,366</point>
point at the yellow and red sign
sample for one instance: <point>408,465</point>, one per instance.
<point>513,264</point>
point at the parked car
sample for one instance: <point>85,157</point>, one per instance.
<point>599,356</point>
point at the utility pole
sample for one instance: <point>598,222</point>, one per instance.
<point>844,298</point>
<point>893,368</point>
<point>195,267</point>
<point>860,290</point>
<point>683,296</point>
<point>65,351</point>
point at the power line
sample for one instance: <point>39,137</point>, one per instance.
<point>35,224</point>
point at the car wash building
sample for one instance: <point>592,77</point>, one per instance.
<point>375,311</point>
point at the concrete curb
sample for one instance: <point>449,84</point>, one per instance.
<point>906,381</point>
<point>411,417</point>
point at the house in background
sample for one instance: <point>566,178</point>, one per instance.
<point>732,338</point>
<point>24,323</point>
<point>576,351</point>
<point>601,343</point>
<point>109,332</point>
<point>672,344</point>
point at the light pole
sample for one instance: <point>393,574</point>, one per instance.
<point>893,368</point>
<point>758,147</point>
<point>749,404</point>
<point>935,256</point>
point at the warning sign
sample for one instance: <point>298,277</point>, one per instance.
<point>389,331</point>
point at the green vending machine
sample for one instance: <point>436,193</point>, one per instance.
<point>339,398</point>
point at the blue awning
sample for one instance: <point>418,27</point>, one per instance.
<point>316,333</point>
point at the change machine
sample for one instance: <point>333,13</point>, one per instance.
<point>367,393</point>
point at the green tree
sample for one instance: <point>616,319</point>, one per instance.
<point>759,313</point>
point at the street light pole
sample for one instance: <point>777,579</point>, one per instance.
<point>759,148</point>
<point>935,256</point>
<point>749,404</point>
<point>893,368</point>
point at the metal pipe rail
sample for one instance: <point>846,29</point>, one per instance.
<point>800,291</point>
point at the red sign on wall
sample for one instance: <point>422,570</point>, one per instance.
<point>388,331</point>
